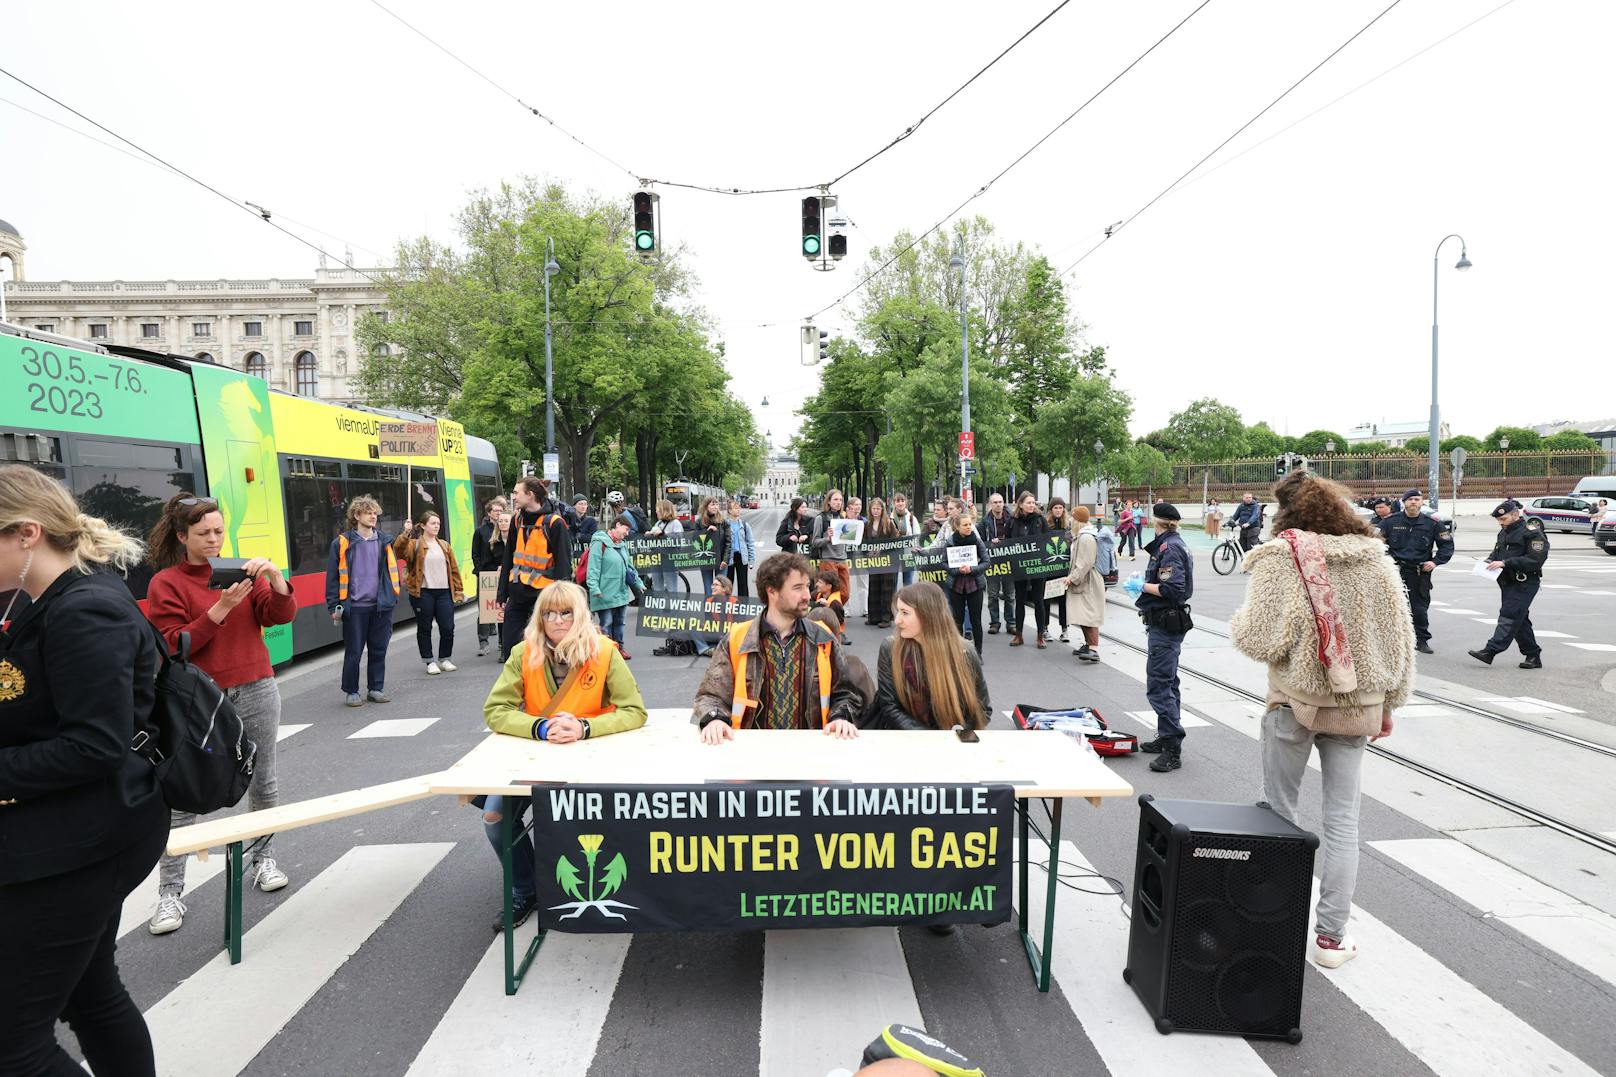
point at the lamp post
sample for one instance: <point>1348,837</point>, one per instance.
<point>1503,447</point>
<point>1099,501</point>
<point>958,262</point>
<point>1329,453</point>
<point>550,270</point>
<point>1436,414</point>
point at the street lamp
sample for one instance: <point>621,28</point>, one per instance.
<point>1503,447</point>
<point>1436,415</point>
<point>1099,502</point>
<point>551,268</point>
<point>1329,451</point>
<point>958,262</point>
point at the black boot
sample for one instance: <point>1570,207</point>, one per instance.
<point>1166,761</point>
<point>1424,647</point>
<point>1482,656</point>
<point>1533,661</point>
<point>1160,744</point>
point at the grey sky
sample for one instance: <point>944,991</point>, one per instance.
<point>1294,283</point>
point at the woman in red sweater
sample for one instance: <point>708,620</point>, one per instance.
<point>227,643</point>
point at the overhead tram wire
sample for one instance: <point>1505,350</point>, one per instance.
<point>982,190</point>
<point>710,189</point>
<point>180,171</point>
<point>1112,231</point>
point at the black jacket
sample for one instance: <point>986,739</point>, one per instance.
<point>1025,527</point>
<point>791,525</point>
<point>981,569</point>
<point>556,532</point>
<point>485,556</point>
<point>81,679</point>
<point>1523,547</point>
<point>889,713</point>
<point>720,534</point>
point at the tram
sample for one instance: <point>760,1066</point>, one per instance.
<point>687,496</point>
<point>125,429</point>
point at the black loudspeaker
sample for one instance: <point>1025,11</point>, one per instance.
<point>1219,935</point>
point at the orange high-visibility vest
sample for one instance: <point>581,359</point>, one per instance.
<point>342,568</point>
<point>531,557</point>
<point>737,664</point>
<point>583,699</point>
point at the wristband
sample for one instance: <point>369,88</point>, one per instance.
<point>585,723</point>
<point>544,729</point>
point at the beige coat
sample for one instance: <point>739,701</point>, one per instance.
<point>1085,589</point>
<point>1275,626</point>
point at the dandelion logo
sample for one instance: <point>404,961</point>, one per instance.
<point>1057,548</point>
<point>610,881</point>
<point>702,543</point>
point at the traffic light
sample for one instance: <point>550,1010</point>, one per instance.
<point>812,234</point>
<point>1281,464</point>
<point>645,237</point>
<point>824,345</point>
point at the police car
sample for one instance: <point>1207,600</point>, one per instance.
<point>1605,536</point>
<point>1573,515</point>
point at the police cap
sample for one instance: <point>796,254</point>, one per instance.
<point>1163,511</point>
<point>1411,492</point>
<point>1506,507</point>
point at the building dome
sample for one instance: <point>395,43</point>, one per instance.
<point>6,226</point>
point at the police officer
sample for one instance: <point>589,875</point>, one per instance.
<point>1164,607</point>
<point>1383,511</point>
<point>1519,554</point>
<point>1410,537</point>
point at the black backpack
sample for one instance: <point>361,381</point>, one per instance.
<point>199,745</point>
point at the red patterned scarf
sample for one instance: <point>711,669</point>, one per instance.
<point>1335,655</point>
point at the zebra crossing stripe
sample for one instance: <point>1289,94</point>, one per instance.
<point>813,981</point>
<point>218,1020</point>
<point>1445,1021</point>
<point>1577,932</point>
<point>1091,949</point>
<point>551,1026</point>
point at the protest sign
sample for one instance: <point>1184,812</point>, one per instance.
<point>488,611</point>
<point>961,556</point>
<point>887,555</point>
<point>407,438</point>
<point>666,614</point>
<point>847,532</point>
<point>756,856</point>
<point>675,553</point>
<point>1046,557</point>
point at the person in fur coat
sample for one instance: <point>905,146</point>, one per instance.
<point>1326,612</point>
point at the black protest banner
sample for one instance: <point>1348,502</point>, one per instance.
<point>1046,557</point>
<point>886,555</point>
<point>754,856</point>
<point>665,614</point>
<point>675,553</point>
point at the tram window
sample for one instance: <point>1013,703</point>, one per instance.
<point>315,512</point>
<point>96,453</point>
<point>40,450</point>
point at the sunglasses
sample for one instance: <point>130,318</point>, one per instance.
<point>190,501</point>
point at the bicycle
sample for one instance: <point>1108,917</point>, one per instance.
<point>1227,555</point>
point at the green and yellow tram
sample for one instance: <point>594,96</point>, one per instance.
<point>125,429</point>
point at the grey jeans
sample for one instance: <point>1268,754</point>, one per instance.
<point>1286,746</point>
<point>258,705</point>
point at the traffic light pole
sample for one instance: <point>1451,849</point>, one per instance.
<point>965,372</point>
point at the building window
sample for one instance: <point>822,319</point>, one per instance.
<point>203,357</point>
<point>383,317</point>
<point>202,329</point>
<point>252,329</point>
<point>307,374</point>
<point>98,331</point>
<point>149,329</point>
<point>303,329</point>
<point>255,365</point>
<point>46,328</point>
<point>381,351</point>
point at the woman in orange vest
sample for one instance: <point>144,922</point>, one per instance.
<point>563,682</point>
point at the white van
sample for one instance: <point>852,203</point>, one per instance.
<point>1596,486</point>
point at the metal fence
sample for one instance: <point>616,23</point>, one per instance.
<point>1485,474</point>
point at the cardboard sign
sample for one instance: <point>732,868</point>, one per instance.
<point>395,438</point>
<point>488,611</point>
<point>753,856</point>
<point>961,557</point>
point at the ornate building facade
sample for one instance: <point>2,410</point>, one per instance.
<point>299,335</point>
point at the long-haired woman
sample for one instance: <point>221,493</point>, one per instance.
<point>792,534</point>
<point>1325,568</point>
<point>538,697</point>
<point>432,578</point>
<point>927,677</point>
<point>967,583</point>
<point>878,614</point>
<point>83,820</point>
<point>1058,521</point>
<point>668,523</point>
<point>709,520</point>
<point>1028,523</point>
<point>226,630</point>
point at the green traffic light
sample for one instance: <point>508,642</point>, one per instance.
<point>810,244</point>
<point>644,240</point>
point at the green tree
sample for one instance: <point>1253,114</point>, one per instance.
<point>1262,441</point>
<point>1313,442</point>
<point>1521,438</point>
<point>1141,464</point>
<point>1566,441</point>
<point>921,411</point>
<point>1370,448</point>
<point>1092,408</point>
<point>1207,430</point>
<point>1458,441</point>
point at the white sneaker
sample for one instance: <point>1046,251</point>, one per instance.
<point>268,877</point>
<point>433,669</point>
<point>169,916</point>
<point>1329,954</point>
<point>1063,638</point>
<point>447,666</point>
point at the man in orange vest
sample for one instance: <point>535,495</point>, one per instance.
<point>538,552</point>
<point>781,670</point>
<point>361,589</point>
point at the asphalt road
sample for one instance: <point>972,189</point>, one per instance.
<point>393,968</point>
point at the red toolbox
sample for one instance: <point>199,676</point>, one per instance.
<point>1106,742</point>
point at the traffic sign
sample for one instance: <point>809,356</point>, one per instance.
<point>967,445</point>
<point>1458,457</point>
<point>552,467</point>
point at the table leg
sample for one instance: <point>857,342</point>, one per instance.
<point>232,901</point>
<point>1040,960</point>
<point>507,847</point>
<point>1021,903</point>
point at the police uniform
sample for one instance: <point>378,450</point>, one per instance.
<point>1410,540</point>
<point>1522,547</point>
<point>1166,618</point>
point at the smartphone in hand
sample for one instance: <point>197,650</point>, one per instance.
<point>227,572</point>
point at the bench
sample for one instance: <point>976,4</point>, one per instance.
<point>230,832</point>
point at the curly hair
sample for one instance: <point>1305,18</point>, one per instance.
<point>1309,503</point>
